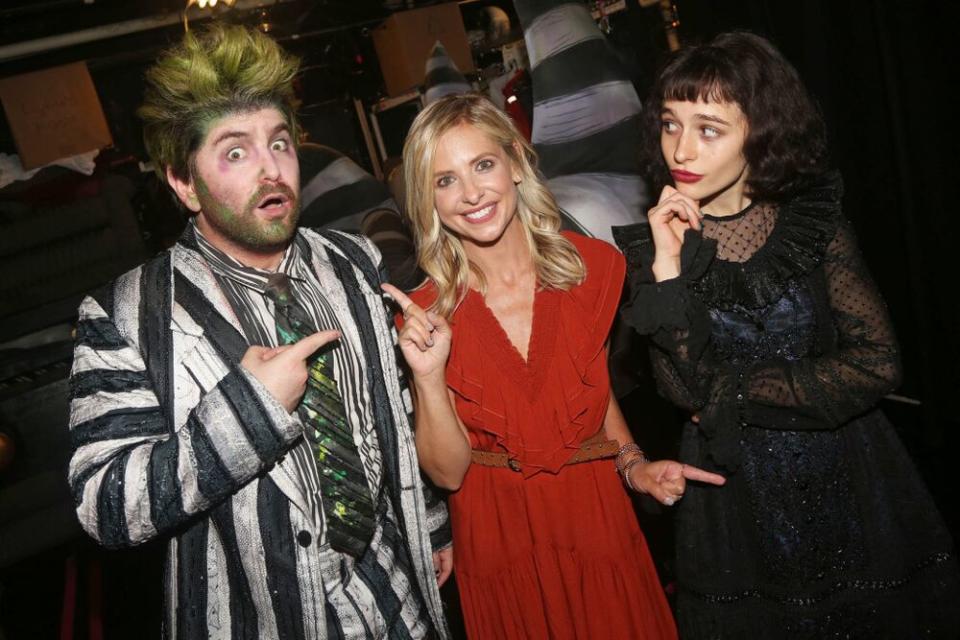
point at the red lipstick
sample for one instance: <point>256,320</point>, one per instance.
<point>685,176</point>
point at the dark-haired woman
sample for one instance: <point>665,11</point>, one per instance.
<point>768,328</point>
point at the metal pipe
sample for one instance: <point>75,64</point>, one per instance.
<point>368,139</point>
<point>40,45</point>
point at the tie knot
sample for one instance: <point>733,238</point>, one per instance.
<point>278,289</point>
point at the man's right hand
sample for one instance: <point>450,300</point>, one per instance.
<point>283,370</point>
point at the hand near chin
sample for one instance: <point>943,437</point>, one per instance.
<point>424,338</point>
<point>669,219</point>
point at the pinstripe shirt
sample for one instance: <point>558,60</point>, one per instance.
<point>173,437</point>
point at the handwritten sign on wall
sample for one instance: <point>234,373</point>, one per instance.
<point>54,113</point>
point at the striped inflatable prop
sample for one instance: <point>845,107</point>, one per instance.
<point>443,78</point>
<point>336,193</point>
<point>585,117</point>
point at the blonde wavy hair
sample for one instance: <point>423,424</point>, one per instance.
<point>440,253</point>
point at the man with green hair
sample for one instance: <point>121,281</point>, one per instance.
<point>239,394</point>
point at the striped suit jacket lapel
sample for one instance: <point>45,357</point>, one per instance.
<point>191,267</point>
<point>204,310</point>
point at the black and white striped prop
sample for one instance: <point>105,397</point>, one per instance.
<point>443,78</point>
<point>585,117</point>
<point>337,193</point>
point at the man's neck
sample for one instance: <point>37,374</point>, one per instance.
<point>267,260</point>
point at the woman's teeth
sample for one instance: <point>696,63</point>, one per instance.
<point>481,213</point>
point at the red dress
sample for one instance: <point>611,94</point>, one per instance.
<point>551,551</point>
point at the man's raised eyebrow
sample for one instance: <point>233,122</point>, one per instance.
<point>227,135</point>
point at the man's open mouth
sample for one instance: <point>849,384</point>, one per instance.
<point>273,201</point>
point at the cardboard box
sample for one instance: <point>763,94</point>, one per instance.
<point>405,39</point>
<point>54,114</point>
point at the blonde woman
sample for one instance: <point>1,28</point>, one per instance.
<point>514,415</point>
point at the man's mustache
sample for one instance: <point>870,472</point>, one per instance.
<point>265,190</point>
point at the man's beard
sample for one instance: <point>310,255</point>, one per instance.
<point>246,229</point>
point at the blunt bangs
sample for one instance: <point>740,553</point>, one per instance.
<point>699,77</point>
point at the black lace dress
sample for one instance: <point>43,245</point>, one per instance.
<point>776,336</point>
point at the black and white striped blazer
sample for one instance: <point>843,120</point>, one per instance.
<point>172,437</point>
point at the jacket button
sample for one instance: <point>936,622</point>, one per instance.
<point>304,538</point>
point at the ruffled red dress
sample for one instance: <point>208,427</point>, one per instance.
<point>553,550</point>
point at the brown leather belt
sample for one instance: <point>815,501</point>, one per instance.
<point>590,449</point>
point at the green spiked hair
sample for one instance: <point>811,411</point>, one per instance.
<point>221,70</point>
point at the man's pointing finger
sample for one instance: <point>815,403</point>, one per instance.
<point>305,347</point>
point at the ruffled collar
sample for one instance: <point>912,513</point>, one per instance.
<point>796,246</point>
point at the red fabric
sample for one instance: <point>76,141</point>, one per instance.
<point>95,601</point>
<point>68,611</point>
<point>554,551</point>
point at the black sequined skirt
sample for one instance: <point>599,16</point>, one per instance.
<point>819,534</point>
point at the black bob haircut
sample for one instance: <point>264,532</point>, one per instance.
<point>786,146</point>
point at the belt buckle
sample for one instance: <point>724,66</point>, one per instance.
<point>513,464</point>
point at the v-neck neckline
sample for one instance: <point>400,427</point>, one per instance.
<point>527,373</point>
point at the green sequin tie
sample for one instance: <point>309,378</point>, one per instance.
<point>344,493</point>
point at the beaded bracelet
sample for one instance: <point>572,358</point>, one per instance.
<point>630,447</point>
<point>625,468</point>
<point>629,467</point>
